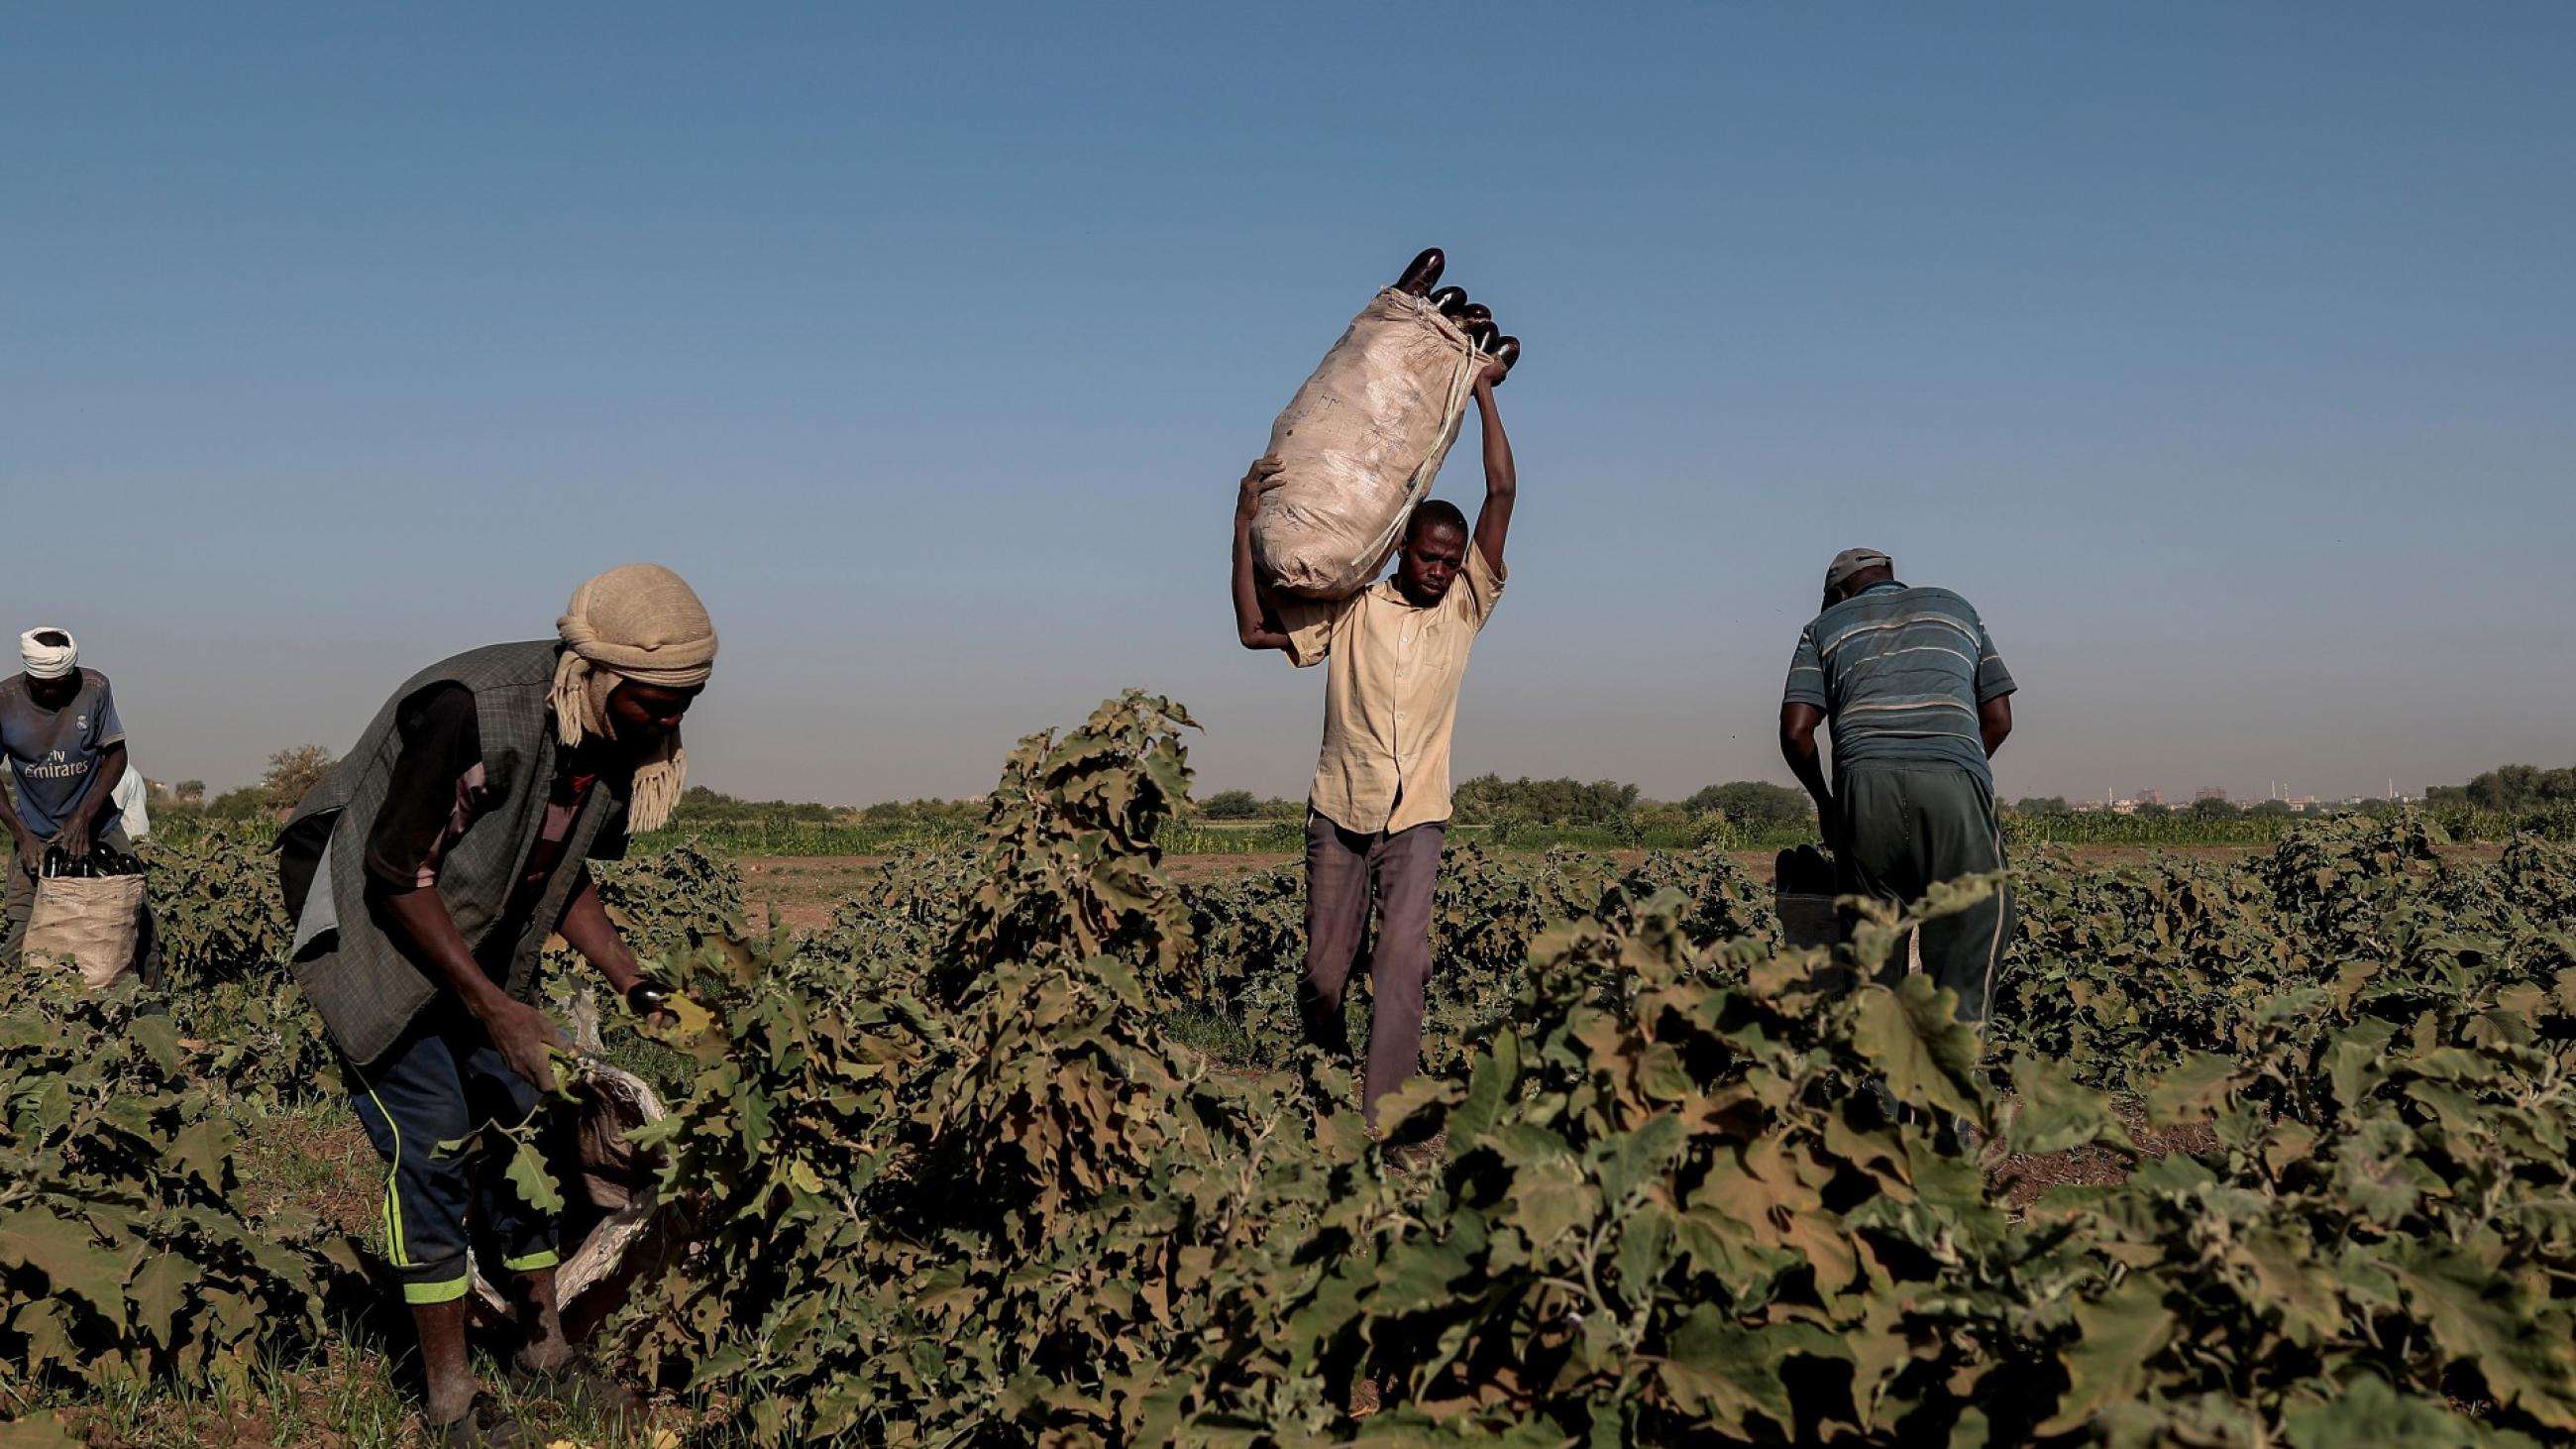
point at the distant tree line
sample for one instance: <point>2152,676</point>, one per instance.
<point>2210,809</point>
<point>290,773</point>
<point>2509,787</point>
<point>1244,805</point>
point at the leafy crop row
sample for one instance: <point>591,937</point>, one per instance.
<point>958,1180</point>
<point>124,1252</point>
<point>952,1171</point>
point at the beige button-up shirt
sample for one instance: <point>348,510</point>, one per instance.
<point>1390,696</point>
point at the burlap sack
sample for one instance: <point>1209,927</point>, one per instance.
<point>609,1185</point>
<point>92,924</point>
<point>1360,444</point>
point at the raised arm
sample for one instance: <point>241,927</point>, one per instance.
<point>1256,623</point>
<point>1494,520</point>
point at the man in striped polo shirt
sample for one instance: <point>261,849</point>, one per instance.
<point>1919,701</point>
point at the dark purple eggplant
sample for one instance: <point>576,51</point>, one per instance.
<point>1474,313</point>
<point>1482,334</point>
<point>1448,300</point>
<point>1507,351</point>
<point>1424,272</point>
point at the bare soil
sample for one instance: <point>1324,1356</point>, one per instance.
<point>318,1161</point>
<point>2025,1177</point>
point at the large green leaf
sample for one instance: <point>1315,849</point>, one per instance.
<point>67,1252</point>
<point>2483,1320</point>
<point>2368,1414</point>
<point>160,1291</point>
<point>1926,1055</point>
<point>2054,1114</point>
<point>2119,1337</point>
<point>1730,1373</point>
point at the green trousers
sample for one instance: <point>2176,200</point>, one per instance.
<point>1903,826</point>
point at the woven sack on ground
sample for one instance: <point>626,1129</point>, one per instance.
<point>92,924</point>
<point>609,1184</point>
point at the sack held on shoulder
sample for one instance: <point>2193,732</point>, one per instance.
<point>1360,444</point>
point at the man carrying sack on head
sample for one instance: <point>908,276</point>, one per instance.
<point>1379,810</point>
<point>1919,701</point>
<point>425,873</point>
<point>66,752</point>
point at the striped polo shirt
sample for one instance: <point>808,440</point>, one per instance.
<point>1900,673</point>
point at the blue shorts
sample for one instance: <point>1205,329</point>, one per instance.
<point>439,1082</point>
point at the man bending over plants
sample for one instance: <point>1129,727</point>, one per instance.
<point>425,873</point>
<point>66,753</point>
<point>1919,701</point>
<point>1379,808</point>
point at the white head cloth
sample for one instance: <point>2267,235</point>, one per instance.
<point>49,661</point>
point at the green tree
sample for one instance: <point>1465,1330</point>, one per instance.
<point>2215,808</point>
<point>2509,787</point>
<point>1490,798</point>
<point>240,804</point>
<point>2042,805</point>
<point>1231,805</point>
<point>188,792</point>
<point>1754,804</point>
<point>290,774</point>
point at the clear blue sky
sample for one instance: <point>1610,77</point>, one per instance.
<point>2222,354</point>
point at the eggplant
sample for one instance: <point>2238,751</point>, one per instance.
<point>1474,313</point>
<point>1508,351</point>
<point>1419,277</point>
<point>1482,334</point>
<point>1448,300</point>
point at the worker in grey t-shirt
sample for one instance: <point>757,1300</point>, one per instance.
<point>66,752</point>
<point>1918,700</point>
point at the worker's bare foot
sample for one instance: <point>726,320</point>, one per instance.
<point>542,1354</point>
<point>482,1423</point>
<point>573,1380</point>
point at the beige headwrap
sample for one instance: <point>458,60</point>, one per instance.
<point>638,622</point>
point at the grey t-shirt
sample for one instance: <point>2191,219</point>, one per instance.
<point>54,753</point>
<point>1901,673</point>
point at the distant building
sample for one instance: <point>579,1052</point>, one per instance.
<point>2208,792</point>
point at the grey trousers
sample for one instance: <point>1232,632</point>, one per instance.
<point>20,902</point>
<point>1904,826</point>
<point>1346,875</point>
